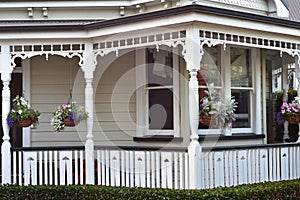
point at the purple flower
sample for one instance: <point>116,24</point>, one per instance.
<point>279,118</point>
<point>10,122</point>
<point>72,116</point>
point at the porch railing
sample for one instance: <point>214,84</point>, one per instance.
<point>48,166</point>
<point>157,168</point>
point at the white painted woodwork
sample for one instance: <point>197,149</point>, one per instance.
<point>193,59</point>
<point>5,148</point>
<point>14,168</point>
<point>65,165</point>
<point>219,169</point>
<point>88,69</point>
<point>159,169</point>
<point>115,166</point>
<point>51,167</point>
<point>242,167</point>
<point>284,158</point>
<point>26,92</point>
<point>140,169</point>
<point>30,167</point>
<point>263,161</point>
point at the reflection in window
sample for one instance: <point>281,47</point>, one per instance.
<point>243,109</point>
<point>240,67</point>
<point>160,89</point>
<point>241,84</point>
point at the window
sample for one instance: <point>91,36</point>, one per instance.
<point>157,99</point>
<point>230,72</point>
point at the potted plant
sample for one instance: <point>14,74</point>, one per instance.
<point>67,115</point>
<point>21,114</point>
<point>291,111</point>
<point>218,109</point>
<point>223,112</point>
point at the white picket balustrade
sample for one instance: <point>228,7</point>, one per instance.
<point>157,169</point>
<point>152,169</point>
<point>48,167</point>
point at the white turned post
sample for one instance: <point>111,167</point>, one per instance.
<point>88,69</point>
<point>193,59</point>
<point>194,148</point>
<point>5,148</point>
<point>6,71</point>
<point>285,86</point>
<point>286,123</point>
<point>297,71</point>
<point>89,144</point>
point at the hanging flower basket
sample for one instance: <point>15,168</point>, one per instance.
<point>24,122</point>
<point>21,114</point>
<point>70,123</point>
<point>294,120</point>
<point>68,115</point>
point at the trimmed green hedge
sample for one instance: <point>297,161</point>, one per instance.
<point>270,190</point>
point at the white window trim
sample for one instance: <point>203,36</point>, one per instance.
<point>142,126</point>
<point>255,92</point>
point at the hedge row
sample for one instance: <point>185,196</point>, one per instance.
<point>270,190</point>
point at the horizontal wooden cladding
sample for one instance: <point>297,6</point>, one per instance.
<point>114,98</point>
<point>117,88</point>
<point>120,107</point>
<point>98,117</point>
<point>51,98</point>
<point>80,137</point>
<point>99,107</point>
<point>63,98</point>
<point>98,126</point>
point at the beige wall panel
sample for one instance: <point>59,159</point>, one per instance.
<point>121,107</point>
<point>50,86</point>
<point>116,98</point>
<point>109,117</point>
<point>114,135</point>
<point>115,92</point>
<point>112,126</point>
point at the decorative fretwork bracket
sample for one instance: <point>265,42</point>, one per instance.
<point>170,39</point>
<point>64,50</point>
<point>209,43</point>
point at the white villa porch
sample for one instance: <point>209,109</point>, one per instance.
<point>125,140</point>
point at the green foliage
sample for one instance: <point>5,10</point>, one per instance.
<point>222,109</point>
<point>269,190</point>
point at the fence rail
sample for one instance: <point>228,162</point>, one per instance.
<point>164,168</point>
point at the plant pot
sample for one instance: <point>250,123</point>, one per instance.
<point>69,123</point>
<point>207,120</point>
<point>227,129</point>
<point>294,120</point>
<point>24,122</point>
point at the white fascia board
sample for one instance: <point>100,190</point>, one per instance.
<point>282,10</point>
<point>142,25</point>
<point>192,17</point>
<point>70,4</point>
<point>44,35</point>
<point>247,24</point>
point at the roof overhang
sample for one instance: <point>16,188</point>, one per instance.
<point>187,13</point>
<point>280,7</point>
